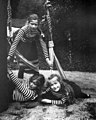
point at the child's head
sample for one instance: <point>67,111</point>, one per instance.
<point>54,82</point>
<point>36,82</point>
<point>33,21</point>
<point>33,17</point>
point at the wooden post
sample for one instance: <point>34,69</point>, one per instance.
<point>4,97</point>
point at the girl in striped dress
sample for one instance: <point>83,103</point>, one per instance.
<point>58,92</point>
<point>26,42</point>
<point>25,91</point>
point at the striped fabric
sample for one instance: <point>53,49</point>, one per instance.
<point>20,36</point>
<point>18,96</point>
<point>59,102</point>
<point>44,47</point>
<point>16,41</point>
<point>27,94</point>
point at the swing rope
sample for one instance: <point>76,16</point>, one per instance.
<point>51,43</point>
<point>9,19</point>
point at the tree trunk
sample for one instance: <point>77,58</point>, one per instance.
<point>4,100</point>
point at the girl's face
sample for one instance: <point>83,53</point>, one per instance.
<point>33,85</point>
<point>55,84</point>
<point>33,24</point>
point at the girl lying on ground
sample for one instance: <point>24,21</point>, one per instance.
<point>25,91</point>
<point>58,92</point>
<point>62,92</point>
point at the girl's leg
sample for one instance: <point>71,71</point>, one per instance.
<point>30,71</point>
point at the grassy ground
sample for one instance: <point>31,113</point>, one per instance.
<point>82,109</point>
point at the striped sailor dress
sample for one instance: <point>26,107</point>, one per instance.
<point>26,42</point>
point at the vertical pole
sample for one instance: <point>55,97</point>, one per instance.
<point>3,56</point>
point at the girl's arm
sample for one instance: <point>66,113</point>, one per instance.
<point>18,96</point>
<point>27,93</point>
<point>55,102</point>
<point>44,47</point>
<point>15,43</point>
<point>45,51</point>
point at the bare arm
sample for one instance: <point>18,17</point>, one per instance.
<point>45,51</point>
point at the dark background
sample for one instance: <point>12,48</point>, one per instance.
<point>74,30</point>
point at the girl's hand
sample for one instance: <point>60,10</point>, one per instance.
<point>46,100</point>
<point>49,62</point>
<point>9,70</point>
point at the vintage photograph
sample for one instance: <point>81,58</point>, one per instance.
<point>50,70</point>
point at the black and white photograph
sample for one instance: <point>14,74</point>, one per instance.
<point>47,59</point>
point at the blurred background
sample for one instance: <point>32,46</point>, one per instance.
<point>73,28</point>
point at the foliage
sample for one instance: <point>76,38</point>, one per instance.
<point>69,20</point>
<point>27,7</point>
<point>62,16</point>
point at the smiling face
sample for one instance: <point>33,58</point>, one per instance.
<point>55,84</point>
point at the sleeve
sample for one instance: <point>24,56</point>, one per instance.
<point>18,96</point>
<point>44,47</point>
<point>59,102</point>
<point>15,43</point>
<point>27,93</point>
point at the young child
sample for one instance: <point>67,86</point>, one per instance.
<point>26,42</point>
<point>37,83</point>
<point>25,91</point>
<point>62,91</point>
<point>58,92</point>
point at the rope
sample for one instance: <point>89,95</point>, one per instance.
<point>47,6</point>
<point>51,44</point>
<point>9,20</point>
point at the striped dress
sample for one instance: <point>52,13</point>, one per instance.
<point>22,91</point>
<point>26,42</point>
